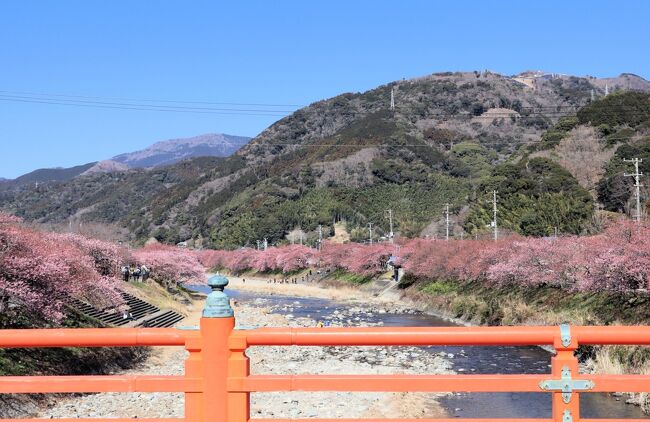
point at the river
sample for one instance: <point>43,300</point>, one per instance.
<point>469,360</point>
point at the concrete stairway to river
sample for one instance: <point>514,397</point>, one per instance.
<point>144,314</point>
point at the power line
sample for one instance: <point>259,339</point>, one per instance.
<point>257,104</point>
<point>147,99</point>
<point>94,102</point>
<point>146,108</point>
<point>133,104</point>
<point>80,102</point>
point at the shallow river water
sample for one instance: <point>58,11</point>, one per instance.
<point>470,360</point>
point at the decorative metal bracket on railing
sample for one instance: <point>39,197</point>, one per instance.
<point>566,385</point>
<point>565,335</point>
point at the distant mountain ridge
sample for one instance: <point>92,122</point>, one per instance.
<point>159,154</point>
<point>174,150</point>
<point>58,174</point>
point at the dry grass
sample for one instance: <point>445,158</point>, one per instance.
<point>341,234</point>
<point>516,312</point>
<point>582,153</point>
<point>608,361</point>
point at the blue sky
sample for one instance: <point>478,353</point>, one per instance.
<point>268,52</point>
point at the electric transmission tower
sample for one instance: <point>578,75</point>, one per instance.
<point>392,99</point>
<point>370,231</point>
<point>637,185</point>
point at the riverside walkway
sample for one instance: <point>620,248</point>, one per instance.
<point>217,382</point>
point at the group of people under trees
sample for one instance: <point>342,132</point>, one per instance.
<point>289,280</point>
<point>135,273</point>
<point>285,280</point>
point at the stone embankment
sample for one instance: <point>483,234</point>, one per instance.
<point>286,360</point>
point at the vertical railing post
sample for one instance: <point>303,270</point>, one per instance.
<point>564,359</point>
<point>238,367</point>
<point>194,369</point>
<point>217,325</point>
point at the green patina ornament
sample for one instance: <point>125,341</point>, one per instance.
<point>217,305</point>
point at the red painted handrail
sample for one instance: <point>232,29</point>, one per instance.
<point>217,381</point>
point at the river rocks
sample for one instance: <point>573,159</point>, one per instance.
<point>282,360</point>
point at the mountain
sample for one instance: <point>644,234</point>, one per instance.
<point>58,174</point>
<point>106,166</point>
<point>450,138</point>
<point>174,150</point>
<point>159,154</point>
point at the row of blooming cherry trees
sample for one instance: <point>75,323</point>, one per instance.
<point>616,260</point>
<point>40,270</point>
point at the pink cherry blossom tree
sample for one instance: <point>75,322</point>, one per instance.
<point>170,265</point>
<point>40,271</point>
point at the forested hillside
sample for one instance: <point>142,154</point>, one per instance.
<point>451,138</point>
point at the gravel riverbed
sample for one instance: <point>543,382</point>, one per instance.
<point>285,360</point>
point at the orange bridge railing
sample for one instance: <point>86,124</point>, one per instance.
<point>217,383</point>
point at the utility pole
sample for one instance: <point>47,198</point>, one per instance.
<point>390,219</point>
<point>320,236</point>
<point>370,231</point>
<point>392,99</point>
<point>494,214</point>
<point>447,221</point>
<point>637,185</point>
